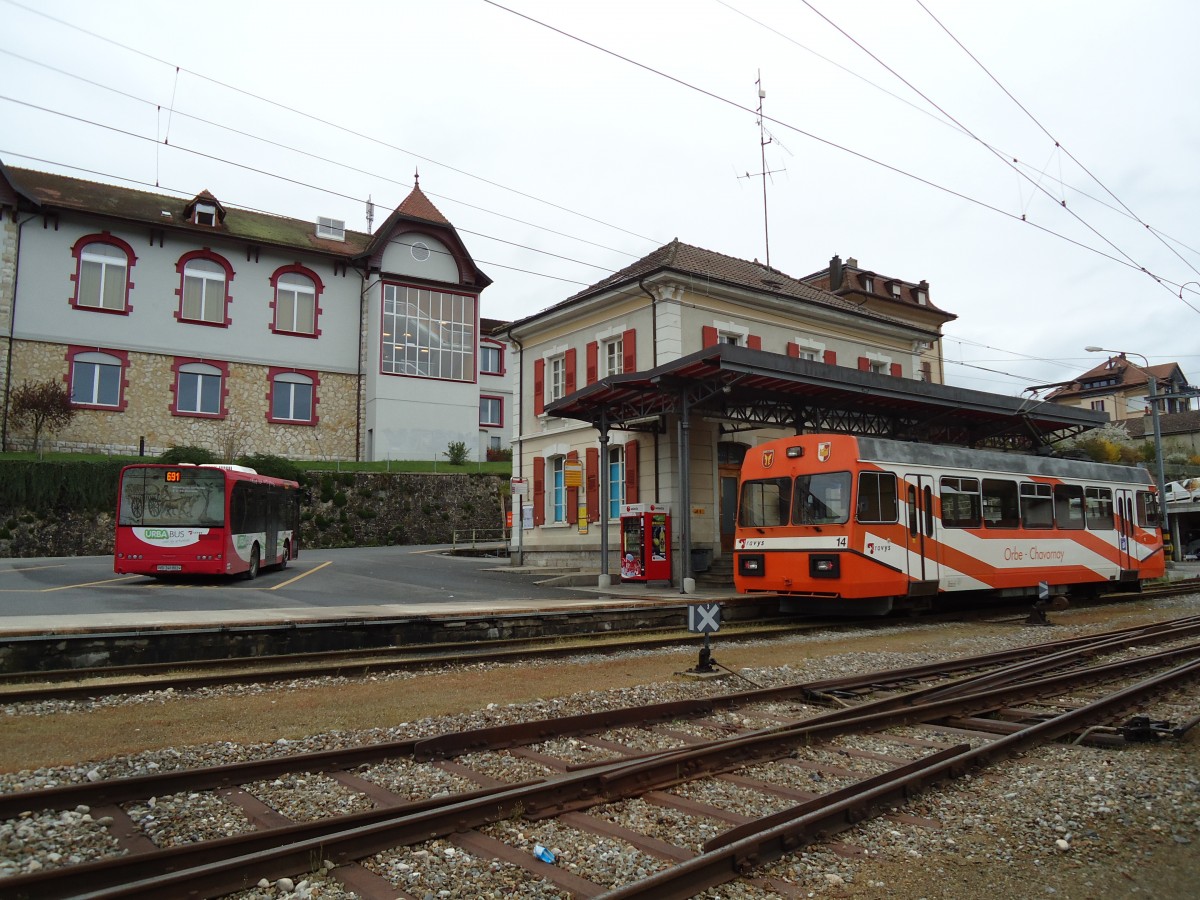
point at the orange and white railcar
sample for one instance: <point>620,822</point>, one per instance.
<point>864,525</point>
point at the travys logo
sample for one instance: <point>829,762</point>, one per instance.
<point>824,449</point>
<point>768,459</point>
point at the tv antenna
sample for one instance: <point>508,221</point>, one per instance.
<point>764,138</point>
<point>370,214</point>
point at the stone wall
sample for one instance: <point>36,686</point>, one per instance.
<point>147,416</point>
<point>341,510</point>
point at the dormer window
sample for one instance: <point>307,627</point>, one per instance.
<point>205,214</point>
<point>923,298</point>
<point>895,290</point>
<point>868,284</point>
<point>331,229</point>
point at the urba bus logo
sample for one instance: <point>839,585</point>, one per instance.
<point>157,534</point>
<point>768,458</point>
<point>824,449</point>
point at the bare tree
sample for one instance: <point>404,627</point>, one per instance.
<point>42,406</point>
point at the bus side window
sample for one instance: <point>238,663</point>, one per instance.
<point>960,502</point>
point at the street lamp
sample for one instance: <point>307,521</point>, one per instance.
<point>1158,450</point>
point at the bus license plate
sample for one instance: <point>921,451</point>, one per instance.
<point>170,568</point>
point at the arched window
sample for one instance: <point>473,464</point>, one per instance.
<point>200,388</point>
<point>102,273</point>
<point>97,378</point>
<point>204,288</point>
<point>297,301</point>
<point>293,397</point>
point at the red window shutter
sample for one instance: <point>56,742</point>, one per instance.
<point>629,351</point>
<point>864,364</point>
<point>754,342</point>
<point>539,386</point>
<point>572,493</point>
<point>592,372</point>
<point>830,358</point>
<point>927,371</point>
<point>710,336</point>
<point>793,349</point>
<point>896,370</point>
<point>631,471</point>
<point>569,387</point>
<point>591,480</point>
<point>539,491</point>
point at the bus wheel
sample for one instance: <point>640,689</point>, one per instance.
<point>252,572</point>
<point>287,554</point>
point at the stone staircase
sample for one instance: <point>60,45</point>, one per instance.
<point>719,574</point>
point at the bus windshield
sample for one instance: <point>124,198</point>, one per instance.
<point>172,497</point>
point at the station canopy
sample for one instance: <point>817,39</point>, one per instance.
<point>747,389</point>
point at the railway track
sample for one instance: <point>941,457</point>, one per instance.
<point>185,675</point>
<point>730,781</point>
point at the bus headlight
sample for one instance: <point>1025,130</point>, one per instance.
<point>824,566</point>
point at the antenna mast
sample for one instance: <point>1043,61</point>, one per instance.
<point>764,138</point>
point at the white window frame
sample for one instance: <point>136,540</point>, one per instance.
<point>97,364</point>
<point>292,380</point>
<point>201,373</point>
<point>556,378</point>
<point>614,471</point>
<point>428,333</point>
<point>205,214</point>
<point>498,403</point>
<point>113,257</point>
<point>212,290</point>
<point>556,495</point>
<point>290,289</point>
<point>614,356</point>
<point>486,351</point>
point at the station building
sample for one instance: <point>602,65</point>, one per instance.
<point>178,321</point>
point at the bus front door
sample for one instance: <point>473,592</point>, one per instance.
<point>923,568</point>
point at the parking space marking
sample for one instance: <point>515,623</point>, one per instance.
<point>67,587</point>
<point>11,569</point>
<point>301,575</point>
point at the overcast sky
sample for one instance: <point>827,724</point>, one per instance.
<point>893,139</point>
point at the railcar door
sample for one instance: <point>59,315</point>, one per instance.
<point>1126,522</point>
<point>923,566</point>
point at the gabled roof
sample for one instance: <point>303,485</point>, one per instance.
<point>848,278</point>
<point>1168,423</point>
<point>1117,375</point>
<point>709,267</point>
<point>417,210</point>
<point>47,192</point>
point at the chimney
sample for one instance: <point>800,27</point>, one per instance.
<point>835,273</point>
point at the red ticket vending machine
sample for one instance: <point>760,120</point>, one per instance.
<point>645,542</point>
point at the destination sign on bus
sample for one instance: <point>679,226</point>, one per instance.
<point>173,476</point>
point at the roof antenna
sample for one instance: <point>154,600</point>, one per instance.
<point>764,138</point>
<point>370,214</point>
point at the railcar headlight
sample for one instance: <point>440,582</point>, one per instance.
<point>752,565</point>
<point>824,566</point>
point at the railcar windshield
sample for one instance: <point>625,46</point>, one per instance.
<point>821,499</point>
<point>184,497</point>
<point>765,503</point>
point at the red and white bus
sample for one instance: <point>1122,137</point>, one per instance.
<point>860,525</point>
<point>204,520</point>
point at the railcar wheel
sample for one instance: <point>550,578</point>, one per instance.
<point>252,572</point>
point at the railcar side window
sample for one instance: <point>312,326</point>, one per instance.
<point>1000,508</point>
<point>1037,507</point>
<point>821,499</point>
<point>765,503</point>
<point>1068,506</point>
<point>1098,508</point>
<point>960,502</point>
<point>1147,510</point>
<point>877,497</point>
